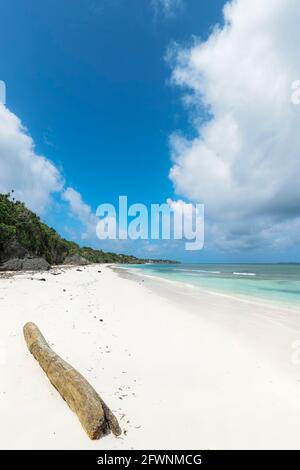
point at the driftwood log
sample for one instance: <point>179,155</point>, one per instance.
<point>95,417</point>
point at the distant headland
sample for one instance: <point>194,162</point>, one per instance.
<point>26,243</point>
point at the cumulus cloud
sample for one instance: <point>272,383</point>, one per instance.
<point>244,162</point>
<point>32,176</point>
<point>167,7</point>
<point>82,212</point>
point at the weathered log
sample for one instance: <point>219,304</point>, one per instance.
<point>94,415</point>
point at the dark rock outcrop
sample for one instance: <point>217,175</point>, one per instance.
<point>12,265</point>
<point>12,249</point>
<point>26,264</point>
<point>76,260</point>
<point>35,264</point>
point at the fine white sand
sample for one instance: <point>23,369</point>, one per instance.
<point>181,368</point>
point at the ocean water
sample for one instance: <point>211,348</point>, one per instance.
<point>270,282</point>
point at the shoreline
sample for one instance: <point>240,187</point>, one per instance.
<point>178,373</point>
<point>245,318</point>
<point>250,299</point>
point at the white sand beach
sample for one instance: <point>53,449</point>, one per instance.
<point>181,368</point>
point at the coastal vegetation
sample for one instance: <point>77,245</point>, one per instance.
<point>22,233</point>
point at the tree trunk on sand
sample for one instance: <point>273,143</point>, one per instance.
<point>95,417</point>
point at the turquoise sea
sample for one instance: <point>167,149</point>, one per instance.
<point>270,282</point>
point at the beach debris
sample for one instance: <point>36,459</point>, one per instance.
<point>94,415</point>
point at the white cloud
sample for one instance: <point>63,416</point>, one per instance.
<point>34,179</point>
<point>167,7</point>
<point>244,163</point>
<point>32,176</point>
<point>94,227</point>
<point>82,212</point>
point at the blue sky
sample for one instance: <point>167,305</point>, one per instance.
<point>90,81</point>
